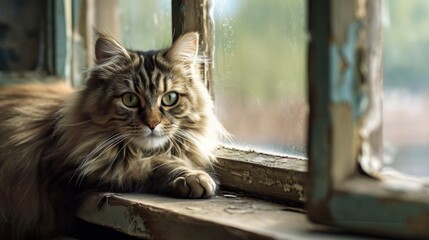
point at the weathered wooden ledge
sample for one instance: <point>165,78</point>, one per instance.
<point>226,216</point>
<point>275,177</point>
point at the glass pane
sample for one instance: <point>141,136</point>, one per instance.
<point>406,87</point>
<point>260,73</point>
<point>145,25</point>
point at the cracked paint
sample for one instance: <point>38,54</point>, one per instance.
<point>299,189</point>
<point>107,212</point>
<point>245,175</point>
<point>261,174</point>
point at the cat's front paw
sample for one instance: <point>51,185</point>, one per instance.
<point>196,184</point>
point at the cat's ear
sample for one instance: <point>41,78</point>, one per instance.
<point>184,49</point>
<point>107,48</point>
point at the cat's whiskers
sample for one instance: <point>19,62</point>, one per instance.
<point>131,138</point>
<point>133,134</point>
<point>109,145</point>
<point>197,144</point>
<point>128,133</point>
<point>186,136</point>
<point>174,141</point>
<point>182,139</point>
<point>103,147</point>
<point>107,171</point>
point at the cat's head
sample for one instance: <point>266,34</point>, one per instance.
<point>149,98</point>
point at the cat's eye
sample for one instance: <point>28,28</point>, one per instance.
<point>170,98</point>
<point>130,100</point>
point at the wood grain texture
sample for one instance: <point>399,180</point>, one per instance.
<point>226,216</point>
<point>263,175</point>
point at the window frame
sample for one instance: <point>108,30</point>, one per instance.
<point>343,190</point>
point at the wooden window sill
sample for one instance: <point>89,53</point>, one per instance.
<point>226,216</point>
<point>229,215</point>
<point>263,175</point>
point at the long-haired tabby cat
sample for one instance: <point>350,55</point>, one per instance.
<point>143,122</point>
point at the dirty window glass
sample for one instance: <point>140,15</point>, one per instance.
<point>260,73</point>
<point>145,25</point>
<point>406,86</point>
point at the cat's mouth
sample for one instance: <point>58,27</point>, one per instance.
<point>154,134</point>
<point>151,141</point>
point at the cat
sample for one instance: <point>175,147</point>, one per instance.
<point>142,122</point>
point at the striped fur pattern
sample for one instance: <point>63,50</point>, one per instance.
<point>143,122</point>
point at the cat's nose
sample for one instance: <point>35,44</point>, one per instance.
<point>152,124</point>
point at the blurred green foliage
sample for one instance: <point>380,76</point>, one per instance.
<point>260,49</point>
<point>406,44</point>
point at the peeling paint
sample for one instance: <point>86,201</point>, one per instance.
<point>344,80</point>
<point>261,174</point>
<point>245,175</point>
<point>119,217</point>
<point>267,181</point>
<point>299,189</point>
<point>216,218</point>
<point>265,178</point>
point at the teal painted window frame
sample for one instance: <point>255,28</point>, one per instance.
<point>345,94</point>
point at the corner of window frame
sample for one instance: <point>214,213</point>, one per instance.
<point>345,86</point>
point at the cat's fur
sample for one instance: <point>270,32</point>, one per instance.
<point>57,144</point>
